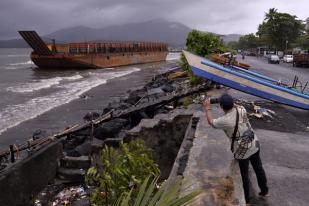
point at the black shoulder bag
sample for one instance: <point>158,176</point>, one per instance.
<point>235,130</point>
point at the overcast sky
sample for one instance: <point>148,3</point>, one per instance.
<point>219,16</point>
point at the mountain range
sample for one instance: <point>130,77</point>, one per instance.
<point>173,33</point>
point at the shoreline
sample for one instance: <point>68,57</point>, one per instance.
<point>217,138</point>
<point>69,114</point>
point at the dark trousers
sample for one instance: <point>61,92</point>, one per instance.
<point>259,171</point>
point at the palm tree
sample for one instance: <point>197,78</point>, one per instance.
<point>272,13</point>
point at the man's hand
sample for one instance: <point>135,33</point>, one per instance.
<point>207,104</point>
<point>207,107</point>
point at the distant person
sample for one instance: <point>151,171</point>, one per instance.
<point>244,143</point>
<point>243,55</point>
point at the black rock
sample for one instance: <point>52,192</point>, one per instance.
<point>157,82</point>
<point>144,115</point>
<point>123,106</point>
<point>110,129</point>
<point>37,134</point>
<point>84,149</point>
<point>135,96</point>
<point>168,88</point>
<point>91,116</point>
<point>79,139</point>
<point>113,142</point>
<point>122,134</point>
<point>155,91</point>
<point>84,132</point>
<point>107,109</point>
<point>69,144</point>
<point>161,111</point>
<point>72,153</point>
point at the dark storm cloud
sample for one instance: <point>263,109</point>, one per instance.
<point>220,16</point>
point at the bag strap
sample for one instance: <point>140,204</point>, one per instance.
<point>235,130</point>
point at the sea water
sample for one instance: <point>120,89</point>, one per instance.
<point>27,92</point>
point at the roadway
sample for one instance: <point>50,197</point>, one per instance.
<point>283,71</point>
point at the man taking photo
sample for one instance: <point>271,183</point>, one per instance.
<point>244,143</point>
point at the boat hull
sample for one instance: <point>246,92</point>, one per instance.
<point>245,83</point>
<point>96,60</point>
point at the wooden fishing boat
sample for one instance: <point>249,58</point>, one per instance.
<point>223,59</point>
<point>247,81</point>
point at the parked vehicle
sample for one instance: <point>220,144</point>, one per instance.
<point>288,58</point>
<point>301,60</point>
<point>273,59</point>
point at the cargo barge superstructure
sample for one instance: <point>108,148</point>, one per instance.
<point>87,55</point>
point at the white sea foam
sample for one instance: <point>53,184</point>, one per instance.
<point>15,114</point>
<point>19,65</point>
<point>72,78</point>
<point>17,55</point>
<point>22,63</point>
<point>173,56</point>
<point>41,84</point>
<point>10,67</point>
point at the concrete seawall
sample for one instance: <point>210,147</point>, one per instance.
<point>25,179</point>
<point>211,167</point>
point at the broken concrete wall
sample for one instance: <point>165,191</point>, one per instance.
<point>164,134</point>
<point>25,179</point>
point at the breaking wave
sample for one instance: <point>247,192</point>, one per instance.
<point>13,115</point>
<point>21,63</point>
<point>173,56</point>
<point>41,84</point>
<point>17,55</point>
<point>14,67</point>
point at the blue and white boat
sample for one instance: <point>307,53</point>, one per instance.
<point>247,81</point>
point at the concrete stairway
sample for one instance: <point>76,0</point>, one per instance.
<point>73,169</point>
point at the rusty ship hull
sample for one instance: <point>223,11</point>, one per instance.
<point>96,61</point>
<point>92,54</point>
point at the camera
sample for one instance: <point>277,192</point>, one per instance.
<point>214,100</point>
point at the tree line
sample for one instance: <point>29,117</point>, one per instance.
<point>278,31</point>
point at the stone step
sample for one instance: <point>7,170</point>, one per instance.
<point>72,175</point>
<point>97,145</point>
<point>113,142</point>
<point>82,162</point>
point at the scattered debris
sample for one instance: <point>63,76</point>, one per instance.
<point>69,195</point>
<point>199,99</point>
<point>261,112</point>
<point>176,75</point>
<point>257,111</point>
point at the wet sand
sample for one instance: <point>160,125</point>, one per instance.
<point>95,100</point>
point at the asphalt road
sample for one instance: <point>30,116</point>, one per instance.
<point>283,71</point>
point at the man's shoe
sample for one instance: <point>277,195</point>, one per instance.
<point>264,194</point>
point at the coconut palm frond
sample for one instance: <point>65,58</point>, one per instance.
<point>166,195</point>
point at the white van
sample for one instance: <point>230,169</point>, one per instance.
<point>273,59</point>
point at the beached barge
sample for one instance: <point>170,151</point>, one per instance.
<point>92,54</point>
